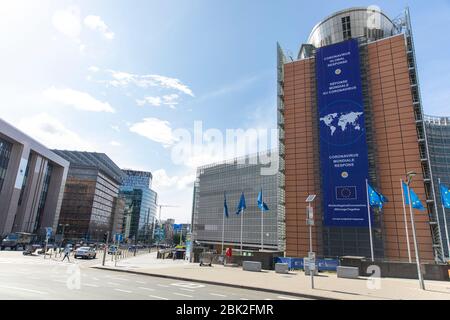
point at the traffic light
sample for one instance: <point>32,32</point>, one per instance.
<point>105,237</point>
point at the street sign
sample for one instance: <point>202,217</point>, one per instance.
<point>48,232</point>
<point>118,237</point>
<point>310,198</point>
<point>312,255</point>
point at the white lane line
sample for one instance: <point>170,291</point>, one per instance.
<point>23,289</point>
<point>144,288</point>
<point>287,298</point>
<point>156,297</point>
<point>61,281</point>
<point>141,282</point>
<point>112,283</point>
<point>190,290</point>
<point>162,285</point>
<point>243,299</point>
<point>126,291</point>
<point>217,294</point>
<point>90,285</point>
<point>183,295</point>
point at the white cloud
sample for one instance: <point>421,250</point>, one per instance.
<point>115,143</point>
<point>161,180</point>
<point>68,22</point>
<point>125,79</point>
<point>53,134</point>
<point>77,99</point>
<point>156,130</point>
<point>115,128</point>
<point>94,69</point>
<point>170,100</point>
<point>97,24</point>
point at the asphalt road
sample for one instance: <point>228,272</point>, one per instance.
<point>33,277</point>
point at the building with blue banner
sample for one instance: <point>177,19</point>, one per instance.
<point>349,109</point>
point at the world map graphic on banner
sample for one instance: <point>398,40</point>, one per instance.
<point>342,121</point>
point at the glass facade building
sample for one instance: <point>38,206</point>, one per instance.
<point>90,196</point>
<point>140,205</point>
<point>233,178</point>
<point>5,153</point>
<point>438,136</point>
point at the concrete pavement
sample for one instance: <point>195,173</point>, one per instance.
<point>327,285</point>
<point>33,277</point>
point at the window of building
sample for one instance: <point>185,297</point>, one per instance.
<point>5,153</point>
<point>346,27</point>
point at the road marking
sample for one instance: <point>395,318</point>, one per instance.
<point>112,283</point>
<point>91,285</point>
<point>144,288</point>
<point>243,299</point>
<point>61,281</point>
<point>162,285</point>
<point>183,295</point>
<point>189,285</point>
<point>141,282</point>
<point>156,297</point>
<point>267,299</point>
<point>217,294</point>
<point>126,291</point>
<point>23,289</point>
<point>287,298</point>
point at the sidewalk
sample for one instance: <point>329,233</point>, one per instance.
<point>327,285</point>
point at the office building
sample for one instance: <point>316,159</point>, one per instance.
<point>233,178</point>
<point>32,180</point>
<point>90,196</point>
<point>438,137</point>
<point>140,206</point>
<point>349,109</point>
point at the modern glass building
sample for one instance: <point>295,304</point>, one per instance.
<point>32,180</point>
<point>90,196</point>
<point>438,137</point>
<point>140,205</point>
<point>234,178</point>
<point>358,52</point>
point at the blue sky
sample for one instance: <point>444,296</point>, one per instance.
<point>120,76</point>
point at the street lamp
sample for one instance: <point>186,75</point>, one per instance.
<point>409,177</point>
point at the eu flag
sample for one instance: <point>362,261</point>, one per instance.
<point>376,199</point>
<point>445,195</point>
<point>225,207</point>
<point>241,205</point>
<point>261,204</point>
<point>416,204</point>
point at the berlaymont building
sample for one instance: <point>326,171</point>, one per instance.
<point>350,109</point>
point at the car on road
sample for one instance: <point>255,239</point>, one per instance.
<point>85,253</point>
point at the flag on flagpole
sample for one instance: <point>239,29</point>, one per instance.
<point>261,204</point>
<point>416,203</point>
<point>376,199</point>
<point>241,205</point>
<point>225,206</point>
<point>445,195</point>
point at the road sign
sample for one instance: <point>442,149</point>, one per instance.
<point>48,232</point>
<point>118,237</point>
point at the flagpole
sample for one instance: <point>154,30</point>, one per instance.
<point>445,219</point>
<point>262,228</point>
<point>406,222</point>
<point>416,248</point>
<point>370,222</point>
<point>223,230</point>
<point>242,222</point>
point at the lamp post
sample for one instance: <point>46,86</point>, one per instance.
<point>409,177</point>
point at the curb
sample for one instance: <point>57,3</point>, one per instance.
<point>301,295</point>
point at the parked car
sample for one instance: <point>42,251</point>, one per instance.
<point>85,252</point>
<point>17,240</point>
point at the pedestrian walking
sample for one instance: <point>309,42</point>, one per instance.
<point>66,253</point>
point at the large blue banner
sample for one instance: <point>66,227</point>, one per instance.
<point>343,147</point>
